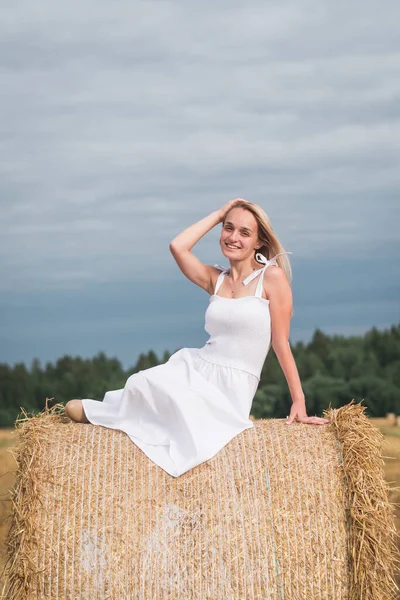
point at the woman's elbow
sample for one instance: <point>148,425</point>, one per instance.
<point>173,246</point>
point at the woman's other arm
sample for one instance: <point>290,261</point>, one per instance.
<point>280,306</point>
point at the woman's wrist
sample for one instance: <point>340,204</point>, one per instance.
<point>299,399</point>
<point>217,215</point>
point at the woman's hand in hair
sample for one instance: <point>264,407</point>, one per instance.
<point>228,206</point>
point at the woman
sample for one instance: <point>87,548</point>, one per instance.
<point>181,413</point>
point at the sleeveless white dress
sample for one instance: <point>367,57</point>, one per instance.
<point>182,412</point>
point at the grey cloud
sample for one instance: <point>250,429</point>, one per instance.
<point>123,123</point>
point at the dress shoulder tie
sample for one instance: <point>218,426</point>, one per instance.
<point>267,262</point>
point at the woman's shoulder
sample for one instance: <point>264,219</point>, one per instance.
<point>274,272</point>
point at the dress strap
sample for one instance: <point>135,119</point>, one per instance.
<point>262,259</point>
<point>220,277</point>
<point>267,262</point>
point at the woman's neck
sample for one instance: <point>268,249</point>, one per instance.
<point>239,270</point>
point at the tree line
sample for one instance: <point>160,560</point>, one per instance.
<point>333,370</point>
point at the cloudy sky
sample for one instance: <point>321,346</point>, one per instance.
<point>124,122</point>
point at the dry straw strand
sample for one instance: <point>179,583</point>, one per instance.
<point>372,539</point>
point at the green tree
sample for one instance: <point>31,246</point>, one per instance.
<point>266,401</point>
<point>379,396</point>
<point>333,370</point>
<point>320,345</point>
<point>322,391</point>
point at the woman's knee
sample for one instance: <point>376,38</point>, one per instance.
<point>74,410</point>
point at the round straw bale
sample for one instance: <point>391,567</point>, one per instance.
<point>281,512</point>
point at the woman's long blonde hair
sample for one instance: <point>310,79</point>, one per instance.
<point>267,236</point>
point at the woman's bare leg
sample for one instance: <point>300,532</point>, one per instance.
<point>74,410</point>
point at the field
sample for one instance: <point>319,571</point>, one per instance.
<point>7,468</point>
<point>391,456</point>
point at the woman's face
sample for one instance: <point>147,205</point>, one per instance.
<point>239,235</point>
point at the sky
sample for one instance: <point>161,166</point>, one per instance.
<point>123,123</point>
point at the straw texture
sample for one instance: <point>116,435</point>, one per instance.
<point>281,512</point>
<point>372,538</point>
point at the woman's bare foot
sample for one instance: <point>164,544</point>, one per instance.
<point>74,410</point>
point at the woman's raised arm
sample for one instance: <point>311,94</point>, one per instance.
<point>198,272</point>
<point>201,274</point>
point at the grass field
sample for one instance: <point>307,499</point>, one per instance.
<point>391,456</point>
<point>7,470</point>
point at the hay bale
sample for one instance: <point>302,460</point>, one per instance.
<point>281,512</point>
<point>391,418</point>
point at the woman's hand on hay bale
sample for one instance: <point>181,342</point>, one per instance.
<point>298,412</point>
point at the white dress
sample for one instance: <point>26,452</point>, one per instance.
<point>182,412</point>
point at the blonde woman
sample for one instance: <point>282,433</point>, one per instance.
<point>181,413</point>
